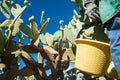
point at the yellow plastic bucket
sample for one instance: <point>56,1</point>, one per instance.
<point>111,71</point>
<point>92,57</point>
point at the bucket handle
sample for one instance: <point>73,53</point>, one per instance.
<point>86,26</point>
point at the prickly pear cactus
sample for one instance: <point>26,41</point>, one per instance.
<point>55,52</point>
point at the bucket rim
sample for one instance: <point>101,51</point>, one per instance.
<point>89,40</point>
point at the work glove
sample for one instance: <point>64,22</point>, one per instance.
<point>91,10</point>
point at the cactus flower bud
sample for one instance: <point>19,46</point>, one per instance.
<point>48,19</point>
<point>61,22</point>
<point>12,3</point>
<point>31,18</point>
<point>43,12</point>
<point>69,27</point>
<point>26,3</point>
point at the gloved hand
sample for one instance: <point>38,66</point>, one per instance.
<point>91,10</point>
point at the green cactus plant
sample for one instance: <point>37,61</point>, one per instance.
<point>56,53</point>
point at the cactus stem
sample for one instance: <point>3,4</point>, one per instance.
<point>42,18</point>
<point>76,14</point>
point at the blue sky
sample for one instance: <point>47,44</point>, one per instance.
<point>55,9</point>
